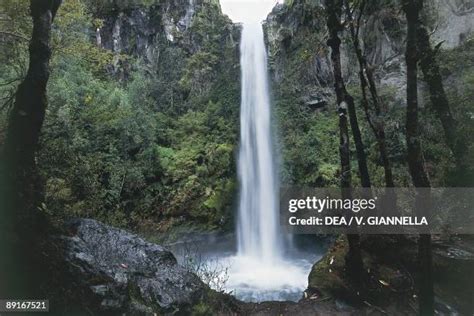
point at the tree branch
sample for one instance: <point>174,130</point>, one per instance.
<point>17,36</point>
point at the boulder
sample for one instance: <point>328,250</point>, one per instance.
<point>125,273</point>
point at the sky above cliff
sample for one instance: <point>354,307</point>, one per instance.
<point>248,10</point>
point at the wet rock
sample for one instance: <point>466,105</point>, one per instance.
<point>124,272</point>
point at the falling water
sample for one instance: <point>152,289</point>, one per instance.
<point>258,230</point>
<point>260,270</point>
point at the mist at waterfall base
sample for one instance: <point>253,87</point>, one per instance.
<point>252,280</point>
<point>263,266</point>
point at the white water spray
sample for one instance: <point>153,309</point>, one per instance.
<point>258,229</point>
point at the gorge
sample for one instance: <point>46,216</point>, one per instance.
<point>169,129</point>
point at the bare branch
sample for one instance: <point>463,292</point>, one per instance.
<point>17,36</point>
<point>6,83</point>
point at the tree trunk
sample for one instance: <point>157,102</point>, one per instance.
<point>367,81</point>
<point>343,96</point>
<point>333,8</point>
<point>439,101</point>
<point>415,157</point>
<point>361,156</point>
<point>22,190</point>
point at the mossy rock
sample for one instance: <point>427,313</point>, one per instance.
<point>327,275</point>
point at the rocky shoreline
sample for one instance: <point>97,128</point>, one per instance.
<point>103,270</point>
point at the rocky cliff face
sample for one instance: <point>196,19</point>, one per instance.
<point>139,29</point>
<point>302,74</point>
<point>143,29</point>
<point>454,21</point>
<point>296,44</point>
<point>301,82</point>
<point>290,28</point>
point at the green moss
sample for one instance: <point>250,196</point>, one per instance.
<point>327,275</point>
<point>202,309</point>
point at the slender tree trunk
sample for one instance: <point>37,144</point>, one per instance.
<point>27,115</point>
<point>333,8</point>
<point>361,156</point>
<point>22,191</point>
<point>414,154</point>
<point>347,98</point>
<point>439,101</point>
<point>367,81</point>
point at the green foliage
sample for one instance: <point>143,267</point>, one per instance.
<point>15,30</point>
<point>199,70</point>
<point>153,150</point>
<point>69,38</point>
<point>310,151</point>
<point>202,309</point>
<point>150,152</point>
<point>156,149</point>
<point>308,136</point>
<point>104,159</point>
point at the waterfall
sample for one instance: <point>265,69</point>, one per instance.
<point>258,229</point>
<point>259,271</point>
<point>265,267</point>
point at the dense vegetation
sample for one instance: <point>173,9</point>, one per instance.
<point>141,117</point>
<point>299,59</point>
<point>135,142</point>
<point>368,81</point>
<point>148,140</point>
